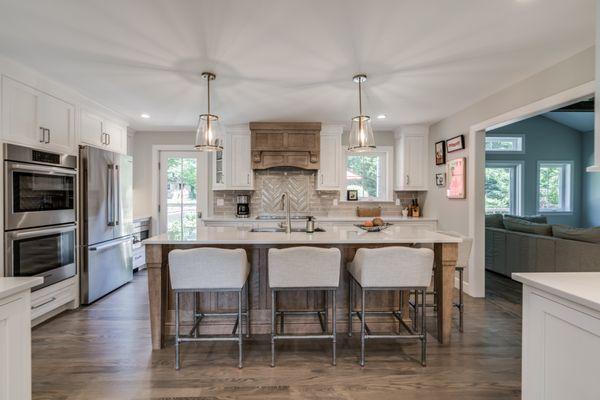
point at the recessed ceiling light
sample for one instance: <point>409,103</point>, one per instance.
<point>381,116</point>
<point>145,116</point>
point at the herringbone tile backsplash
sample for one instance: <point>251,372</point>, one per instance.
<point>269,185</point>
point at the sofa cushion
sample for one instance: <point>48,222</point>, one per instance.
<point>494,221</point>
<point>521,225</point>
<point>591,235</point>
<point>538,219</point>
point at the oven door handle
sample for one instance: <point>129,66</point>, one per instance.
<point>43,170</point>
<point>40,232</point>
<point>113,243</point>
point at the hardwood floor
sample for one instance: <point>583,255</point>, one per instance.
<point>104,352</point>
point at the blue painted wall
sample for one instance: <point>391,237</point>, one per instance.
<point>590,196</point>
<point>546,140</point>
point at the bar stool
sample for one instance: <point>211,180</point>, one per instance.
<point>464,253</point>
<point>304,268</point>
<point>210,270</point>
<point>389,268</point>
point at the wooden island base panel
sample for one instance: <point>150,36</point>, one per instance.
<point>162,302</point>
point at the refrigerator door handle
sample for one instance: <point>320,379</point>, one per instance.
<point>110,205</point>
<point>112,243</point>
<point>117,190</point>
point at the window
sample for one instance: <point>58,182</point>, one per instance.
<point>503,187</point>
<point>369,173</point>
<point>554,186</point>
<point>504,144</point>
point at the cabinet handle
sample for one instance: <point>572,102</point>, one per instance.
<point>407,179</point>
<point>44,303</point>
<point>108,137</point>
<point>48,141</point>
<point>43,138</point>
<point>248,179</point>
<point>102,138</point>
<point>321,179</point>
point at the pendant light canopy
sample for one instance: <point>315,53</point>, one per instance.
<point>209,135</point>
<point>361,132</point>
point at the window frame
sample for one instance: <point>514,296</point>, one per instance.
<point>519,184</point>
<point>506,135</point>
<point>387,174</point>
<point>567,187</point>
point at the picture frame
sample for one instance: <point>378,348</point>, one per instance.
<point>457,179</point>
<point>352,195</point>
<point>456,143</point>
<point>440,153</point>
<point>440,179</point>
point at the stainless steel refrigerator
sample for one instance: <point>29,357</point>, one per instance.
<point>106,222</point>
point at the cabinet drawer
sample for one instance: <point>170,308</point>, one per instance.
<point>47,301</point>
<point>139,257</point>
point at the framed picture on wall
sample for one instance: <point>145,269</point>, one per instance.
<point>440,179</point>
<point>352,195</point>
<point>457,179</point>
<point>455,144</point>
<point>440,153</point>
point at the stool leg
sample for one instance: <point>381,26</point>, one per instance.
<point>326,312</point>
<point>247,309</point>
<point>333,328</point>
<point>273,313</point>
<point>240,333</point>
<point>416,314</point>
<point>460,300</point>
<point>350,306</point>
<point>362,328</point>
<point>177,331</point>
<point>423,330</point>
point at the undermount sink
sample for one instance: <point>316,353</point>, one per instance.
<point>283,230</point>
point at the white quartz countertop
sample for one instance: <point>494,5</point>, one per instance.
<point>10,286</point>
<point>337,235</point>
<point>322,219</point>
<point>579,287</point>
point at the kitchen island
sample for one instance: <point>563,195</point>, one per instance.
<point>257,245</point>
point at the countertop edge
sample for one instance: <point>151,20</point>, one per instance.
<point>530,280</point>
<point>12,285</point>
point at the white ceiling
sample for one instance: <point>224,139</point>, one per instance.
<point>290,60</point>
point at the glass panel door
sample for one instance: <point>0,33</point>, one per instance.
<point>180,210</point>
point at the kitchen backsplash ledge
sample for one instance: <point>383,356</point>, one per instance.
<point>269,185</point>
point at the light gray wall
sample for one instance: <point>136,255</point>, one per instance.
<point>575,71</point>
<point>545,140</point>
<point>142,165</point>
<point>590,198</point>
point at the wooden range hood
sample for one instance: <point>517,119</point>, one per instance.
<point>285,145</point>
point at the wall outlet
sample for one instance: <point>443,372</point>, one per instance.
<point>335,202</point>
<point>397,201</point>
<point>220,202</point>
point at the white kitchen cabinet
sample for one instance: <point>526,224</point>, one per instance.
<point>99,131</point>
<point>31,117</point>
<point>15,337</point>
<point>51,300</point>
<point>232,167</point>
<point>329,175</point>
<point>411,160</point>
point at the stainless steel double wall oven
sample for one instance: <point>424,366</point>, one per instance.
<point>39,214</point>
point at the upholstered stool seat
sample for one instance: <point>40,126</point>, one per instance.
<point>304,268</point>
<point>389,268</point>
<point>209,270</point>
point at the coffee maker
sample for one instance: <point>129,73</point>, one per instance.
<point>243,206</point>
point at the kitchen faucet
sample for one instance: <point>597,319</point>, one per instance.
<point>285,198</point>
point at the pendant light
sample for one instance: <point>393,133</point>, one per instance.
<point>361,132</point>
<point>209,136</point>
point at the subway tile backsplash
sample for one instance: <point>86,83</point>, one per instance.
<point>269,185</point>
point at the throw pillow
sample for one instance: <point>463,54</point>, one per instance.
<point>591,235</point>
<point>538,219</point>
<point>521,225</point>
<point>494,221</point>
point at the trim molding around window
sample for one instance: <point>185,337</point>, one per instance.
<point>517,186</point>
<point>565,187</point>
<point>386,179</point>
<point>516,140</point>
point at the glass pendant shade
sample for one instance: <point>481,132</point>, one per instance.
<point>209,135</point>
<point>361,134</point>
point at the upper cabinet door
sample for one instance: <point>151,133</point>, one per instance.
<point>412,167</point>
<point>240,171</point>
<point>31,117</point>
<point>116,136</point>
<point>58,117</point>
<point>91,131</point>
<point>329,175</point>
<point>19,113</point>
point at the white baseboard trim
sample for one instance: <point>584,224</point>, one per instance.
<point>466,287</point>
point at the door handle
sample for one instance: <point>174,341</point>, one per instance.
<point>248,179</point>
<point>407,179</point>
<point>44,303</point>
<point>43,138</point>
<point>117,191</point>
<point>108,139</point>
<point>110,196</point>
<point>113,243</point>
<point>199,214</point>
<point>321,179</point>
<point>48,140</point>
<point>102,138</point>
